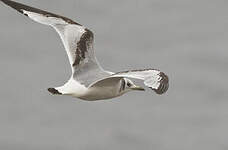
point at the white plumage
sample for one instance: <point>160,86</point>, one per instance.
<point>89,81</point>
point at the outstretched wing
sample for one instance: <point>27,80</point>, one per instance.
<point>154,79</point>
<point>77,40</point>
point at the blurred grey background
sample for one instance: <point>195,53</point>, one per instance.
<point>187,39</point>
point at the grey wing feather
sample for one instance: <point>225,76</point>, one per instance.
<point>78,42</point>
<point>109,81</point>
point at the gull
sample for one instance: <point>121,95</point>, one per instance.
<point>89,81</point>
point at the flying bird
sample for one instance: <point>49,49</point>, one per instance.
<point>89,81</point>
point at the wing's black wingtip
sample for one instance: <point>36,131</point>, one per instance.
<point>164,84</point>
<point>54,91</point>
<point>14,5</point>
<point>20,7</point>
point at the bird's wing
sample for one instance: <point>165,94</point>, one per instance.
<point>107,82</point>
<point>154,79</point>
<point>78,41</point>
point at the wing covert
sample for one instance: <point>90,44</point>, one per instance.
<point>78,41</point>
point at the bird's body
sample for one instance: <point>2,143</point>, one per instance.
<point>89,81</point>
<point>75,89</point>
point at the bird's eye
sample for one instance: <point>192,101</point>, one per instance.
<point>128,84</point>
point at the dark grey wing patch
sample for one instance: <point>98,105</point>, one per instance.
<point>164,84</point>
<point>83,46</point>
<point>20,7</point>
<point>86,67</point>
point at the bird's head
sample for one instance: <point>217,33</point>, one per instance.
<point>127,85</point>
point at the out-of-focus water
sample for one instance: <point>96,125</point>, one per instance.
<point>186,39</point>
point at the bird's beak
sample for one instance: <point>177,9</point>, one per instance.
<point>139,88</point>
